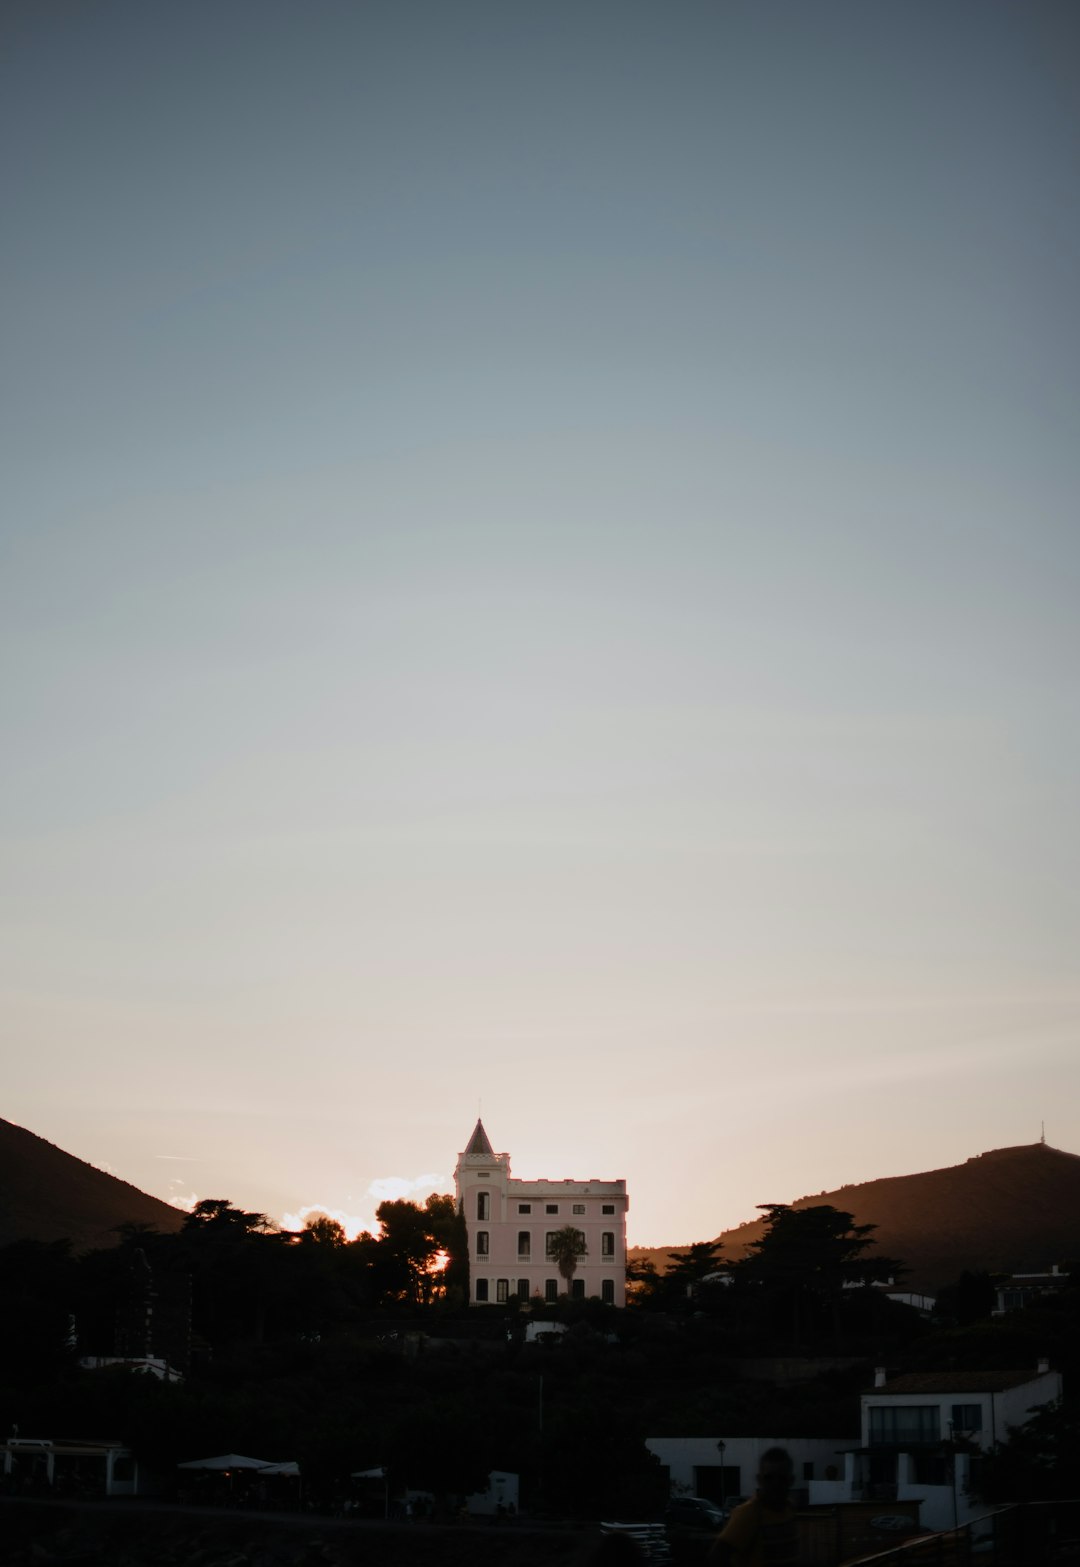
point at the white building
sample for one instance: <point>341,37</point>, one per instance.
<point>41,1466</point>
<point>152,1365</point>
<point>915,1430</point>
<point>511,1222</point>
<point>722,1468</point>
<point>501,1496</point>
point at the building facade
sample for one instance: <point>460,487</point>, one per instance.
<point>724,1469</point>
<point>511,1224</point>
<point>922,1434</point>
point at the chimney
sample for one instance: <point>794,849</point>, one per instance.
<point>1043,1366</point>
<point>879,1376</point>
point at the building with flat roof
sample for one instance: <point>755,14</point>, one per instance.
<point>511,1224</point>
<point>922,1434</point>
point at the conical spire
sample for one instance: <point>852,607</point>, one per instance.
<point>479,1145</point>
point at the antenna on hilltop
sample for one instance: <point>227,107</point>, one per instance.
<point>1042,1139</point>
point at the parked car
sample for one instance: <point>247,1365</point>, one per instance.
<point>694,1512</point>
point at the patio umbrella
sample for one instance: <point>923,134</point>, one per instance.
<point>225,1461</point>
<point>291,1468</point>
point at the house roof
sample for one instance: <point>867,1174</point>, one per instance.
<point>954,1382</point>
<point>479,1143</point>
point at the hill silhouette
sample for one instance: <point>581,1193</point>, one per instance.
<point>1010,1210</point>
<point>49,1195</point>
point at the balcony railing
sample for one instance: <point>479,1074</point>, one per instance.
<point>1025,1534</point>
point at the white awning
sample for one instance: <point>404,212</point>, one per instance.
<point>225,1461</point>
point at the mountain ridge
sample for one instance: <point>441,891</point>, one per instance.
<point>51,1195</point>
<point>1007,1210</point>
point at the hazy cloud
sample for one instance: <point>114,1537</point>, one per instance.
<point>353,1224</point>
<point>384,1188</point>
<point>179,1198</point>
<point>392,1188</point>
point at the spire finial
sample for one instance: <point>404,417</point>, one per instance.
<point>479,1143</point>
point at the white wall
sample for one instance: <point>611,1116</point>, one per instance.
<point>941,1506</point>
<point>684,1454</point>
<point>502,1489</point>
<point>1014,1406</point>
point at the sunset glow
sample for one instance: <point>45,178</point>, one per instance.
<point>540,566</point>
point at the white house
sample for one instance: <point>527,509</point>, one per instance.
<point>511,1222</point>
<point>910,1428</point>
<point>725,1467</point>
<point>37,1465</point>
<point>1022,1289</point>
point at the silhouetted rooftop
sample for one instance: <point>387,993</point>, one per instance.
<point>956,1381</point>
<point>479,1143</point>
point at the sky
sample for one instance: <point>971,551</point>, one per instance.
<point>538,577</point>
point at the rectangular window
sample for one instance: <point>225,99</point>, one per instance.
<point>502,1291</point>
<point>523,1289</point>
<point>608,1207</point>
<point>904,1425</point>
<point>578,1207</point>
<point>551,1289</point>
<point>483,1206</point>
<point>607,1291</point>
<point>549,1241</point>
<point>607,1244</point>
<point>524,1244</point>
<point>481,1243</point>
<point>577,1289</point>
<point>552,1207</point>
<point>524,1207</point>
<point>481,1289</point>
<point>967,1417</point>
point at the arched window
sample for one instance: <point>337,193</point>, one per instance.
<point>483,1206</point>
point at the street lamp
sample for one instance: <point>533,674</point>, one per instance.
<point>721,1448</point>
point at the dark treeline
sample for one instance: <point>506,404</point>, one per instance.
<point>349,1354</point>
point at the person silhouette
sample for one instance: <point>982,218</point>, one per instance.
<point>762,1532</point>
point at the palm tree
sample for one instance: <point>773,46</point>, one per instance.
<point>564,1247</point>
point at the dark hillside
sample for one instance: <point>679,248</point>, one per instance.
<point>49,1195</point>
<point>1010,1210</point>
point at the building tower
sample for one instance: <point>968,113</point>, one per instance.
<point>511,1222</point>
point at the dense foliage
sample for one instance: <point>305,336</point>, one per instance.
<point>350,1354</point>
